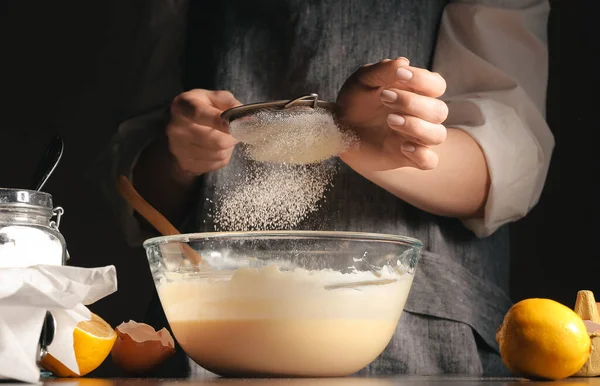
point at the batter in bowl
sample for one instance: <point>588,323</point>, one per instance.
<point>265,321</point>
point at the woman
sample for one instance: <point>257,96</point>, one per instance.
<point>450,174</point>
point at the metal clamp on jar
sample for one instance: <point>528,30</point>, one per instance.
<point>29,235</point>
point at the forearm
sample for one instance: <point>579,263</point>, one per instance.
<point>159,179</point>
<point>457,187</point>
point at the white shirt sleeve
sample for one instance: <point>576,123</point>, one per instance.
<point>495,62</point>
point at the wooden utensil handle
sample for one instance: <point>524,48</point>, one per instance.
<point>153,216</point>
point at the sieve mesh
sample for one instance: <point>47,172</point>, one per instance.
<point>296,135</point>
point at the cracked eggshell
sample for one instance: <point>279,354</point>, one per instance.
<point>139,348</point>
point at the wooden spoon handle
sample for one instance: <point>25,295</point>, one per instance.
<point>153,216</point>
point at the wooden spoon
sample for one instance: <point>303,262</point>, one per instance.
<point>153,216</point>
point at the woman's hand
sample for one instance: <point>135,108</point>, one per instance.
<point>199,138</point>
<point>394,109</point>
<point>197,141</point>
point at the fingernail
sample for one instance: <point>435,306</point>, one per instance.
<point>404,59</point>
<point>396,120</point>
<point>403,74</point>
<point>388,96</point>
<point>408,147</point>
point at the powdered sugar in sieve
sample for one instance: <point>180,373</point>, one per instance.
<point>290,133</point>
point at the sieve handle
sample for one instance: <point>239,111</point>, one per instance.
<point>153,216</point>
<point>312,96</point>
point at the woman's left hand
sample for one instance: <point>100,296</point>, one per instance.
<point>395,110</point>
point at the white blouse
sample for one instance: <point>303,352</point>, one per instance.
<point>493,55</point>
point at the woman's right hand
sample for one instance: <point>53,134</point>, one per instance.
<point>199,138</point>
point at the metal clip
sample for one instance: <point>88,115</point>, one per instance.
<point>58,212</point>
<point>313,96</point>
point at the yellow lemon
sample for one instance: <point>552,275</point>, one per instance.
<point>92,341</point>
<point>543,339</point>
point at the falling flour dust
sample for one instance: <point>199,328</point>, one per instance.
<point>286,170</point>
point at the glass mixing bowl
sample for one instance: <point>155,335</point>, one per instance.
<point>283,303</point>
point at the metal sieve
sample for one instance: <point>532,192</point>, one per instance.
<point>310,100</point>
<point>297,131</point>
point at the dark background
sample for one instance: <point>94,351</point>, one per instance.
<point>66,67</point>
<point>555,248</point>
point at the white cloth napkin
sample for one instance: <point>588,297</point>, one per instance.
<point>25,296</point>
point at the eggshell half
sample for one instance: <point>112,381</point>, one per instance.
<point>139,348</point>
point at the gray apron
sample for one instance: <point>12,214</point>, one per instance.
<point>268,50</point>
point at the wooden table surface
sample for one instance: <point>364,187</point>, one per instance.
<point>350,381</point>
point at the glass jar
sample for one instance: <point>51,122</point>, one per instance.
<point>29,233</point>
<point>29,236</point>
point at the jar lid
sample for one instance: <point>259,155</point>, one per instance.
<point>25,198</point>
